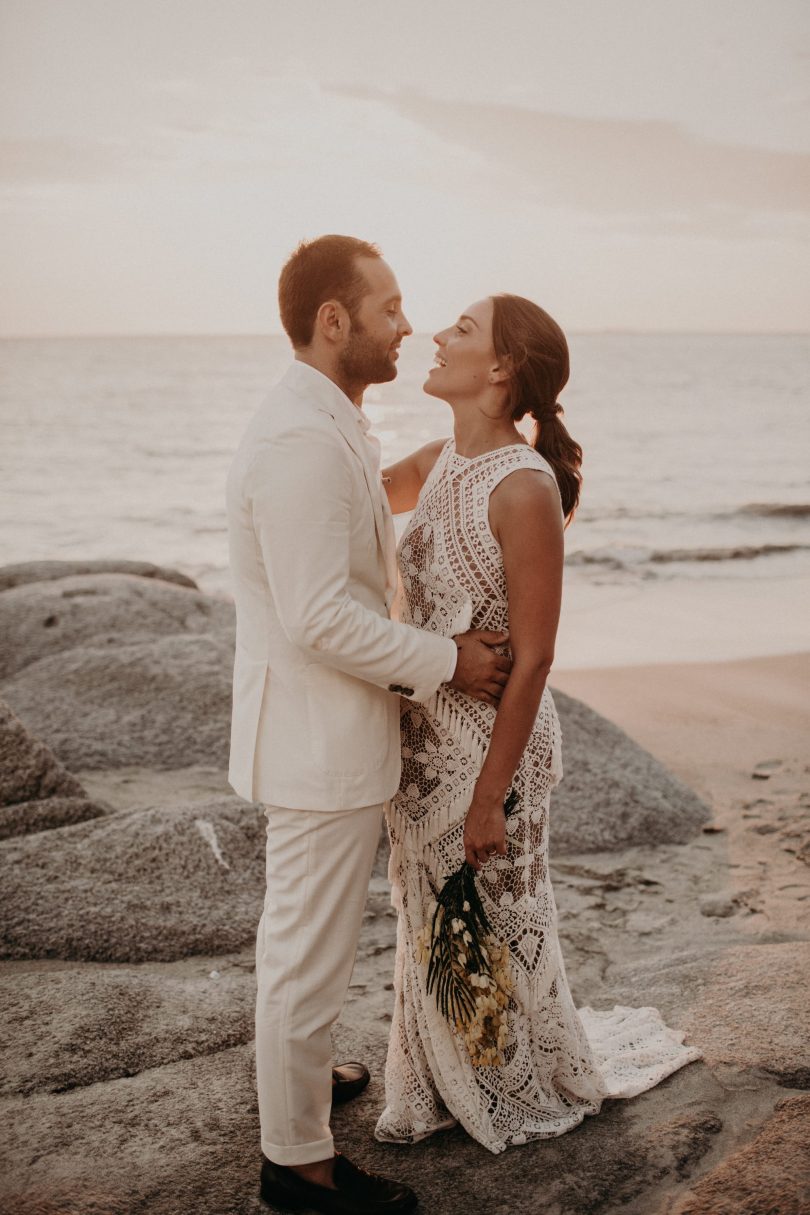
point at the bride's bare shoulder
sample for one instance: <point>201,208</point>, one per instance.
<point>526,494</point>
<point>404,480</point>
<point>427,456</point>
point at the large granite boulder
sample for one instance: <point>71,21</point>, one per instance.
<point>770,1176</point>
<point>26,818</point>
<point>37,792</point>
<point>745,1007</point>
<point>100,611</point>
<point>62,1029</point>
<point>170,1140</point>
<point>614,794</point>
<point>159,703</point>
<point>28,769</point>
<point>149,884</point>
<point>42,571</point>
<point>184,1137</point>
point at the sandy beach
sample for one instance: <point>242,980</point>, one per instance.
<point>127,984</point>
<point>709,722</point>
<point>739,734</point>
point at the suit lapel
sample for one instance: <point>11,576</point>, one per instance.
<point>309,383</point>
<point>354,437</point>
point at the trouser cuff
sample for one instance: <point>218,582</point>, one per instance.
<point>299,1153</point>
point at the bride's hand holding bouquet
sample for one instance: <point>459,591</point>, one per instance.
<point>484,827</point>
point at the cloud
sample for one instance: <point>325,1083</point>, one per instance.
<point>69,161</point>
<point>612,167</point>
<point>262,129</point>
<point>55,161</point>
<point>721,223</point>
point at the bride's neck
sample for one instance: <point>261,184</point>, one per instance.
<point>476,429</point>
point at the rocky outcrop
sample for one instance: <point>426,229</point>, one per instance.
<point>27,818</point>
<point>99,611</point>
<point>150,884</point>
<point>43,571</point>
<point>71,1028</point>
<point>771,1175</point>
<point>29,771</point>
<point>171,1140</point>
<point>614,793</point>
<point>746,1006</point>
<point>184,1137</point>
<point>133,1089</point>
<point>160,703</point>
<point>131,1086</point>
<point>37,793</point>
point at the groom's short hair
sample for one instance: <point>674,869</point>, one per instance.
<point>320,270</point>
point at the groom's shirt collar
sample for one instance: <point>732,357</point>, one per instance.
<point>310,382</point>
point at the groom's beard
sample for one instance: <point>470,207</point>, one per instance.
<point>365,361</point>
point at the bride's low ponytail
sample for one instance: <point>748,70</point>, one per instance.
<point>534,346</point>
<point>563,453</point>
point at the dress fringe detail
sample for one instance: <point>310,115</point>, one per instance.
<point>455,720</point>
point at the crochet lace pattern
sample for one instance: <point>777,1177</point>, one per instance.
<point>559,1063</point>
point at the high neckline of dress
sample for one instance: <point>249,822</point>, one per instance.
<point>492,451</point>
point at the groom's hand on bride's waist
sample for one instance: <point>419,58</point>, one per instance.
<point>480,672</point>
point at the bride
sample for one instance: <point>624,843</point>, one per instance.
<point>484,549</point>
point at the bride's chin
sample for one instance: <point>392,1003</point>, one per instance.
<point>432,390</point>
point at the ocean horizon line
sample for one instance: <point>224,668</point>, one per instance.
<point>224,335</point>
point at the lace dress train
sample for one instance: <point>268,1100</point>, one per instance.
<point>560,1063</point>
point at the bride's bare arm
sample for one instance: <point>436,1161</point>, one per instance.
<point>524,513</point>
<point>404,480</point>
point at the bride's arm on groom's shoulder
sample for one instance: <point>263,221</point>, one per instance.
<point>525,517</point>
<point>404,480</point>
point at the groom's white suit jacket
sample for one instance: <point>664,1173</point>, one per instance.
<point>318,661</point>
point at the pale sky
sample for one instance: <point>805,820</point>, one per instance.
<point>632,164</point>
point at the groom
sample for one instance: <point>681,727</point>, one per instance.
<point>318,672</point>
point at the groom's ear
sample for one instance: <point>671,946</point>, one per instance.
<point>332,321</point>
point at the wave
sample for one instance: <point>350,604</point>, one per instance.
<point>774,511</point>
<point>627,559</point>
<point>611,559</point>
<point>735,552</point>
<point>777,510</point>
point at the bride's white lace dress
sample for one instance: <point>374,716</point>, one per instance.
<point>559,1062</point>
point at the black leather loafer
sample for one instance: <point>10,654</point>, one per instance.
<point>348,1079</point>
<point>357,1192</point>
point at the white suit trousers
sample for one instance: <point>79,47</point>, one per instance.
<point>318,869</point>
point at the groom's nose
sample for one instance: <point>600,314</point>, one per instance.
<point>405,326</point>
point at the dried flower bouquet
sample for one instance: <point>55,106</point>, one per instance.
<point>467,966</point>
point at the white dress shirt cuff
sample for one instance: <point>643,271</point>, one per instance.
<point>451,670</point>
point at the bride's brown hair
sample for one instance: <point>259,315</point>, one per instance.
<point>534,348</point>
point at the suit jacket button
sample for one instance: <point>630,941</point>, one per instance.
<point>406,691</point>
<point>394,687</point>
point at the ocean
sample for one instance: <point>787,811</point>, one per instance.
<point>692,541</point>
